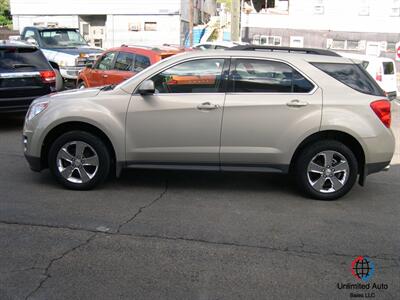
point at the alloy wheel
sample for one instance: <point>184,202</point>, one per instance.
<point>328,171</point>
<point>77,162</point>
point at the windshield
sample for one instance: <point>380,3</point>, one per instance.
<point>57,38</point>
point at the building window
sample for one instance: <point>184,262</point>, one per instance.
<point>150,26</point>
<point>270,40</point>
<point>338,44</point>
<point>256,39</point>
<point>391,47</point>
<point>319,7</point>
<point>297,41</point>
<point>395,9</point>
<point>345,44</point>
<point>364,8</point>
<point>352,45</point>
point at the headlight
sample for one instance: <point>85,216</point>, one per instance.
<point>36,109</point>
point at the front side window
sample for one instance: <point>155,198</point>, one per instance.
<point>124,61</point>
<point>106,61</point>
<point>197,76</point>
<point>262,76</point>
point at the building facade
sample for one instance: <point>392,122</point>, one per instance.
<point>362,26</point>
<point>108,23</point>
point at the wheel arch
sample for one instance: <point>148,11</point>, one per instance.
<point>62,128</point>
<point>345,138</point>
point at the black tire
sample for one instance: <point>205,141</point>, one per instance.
<point>96,144</point>
<point>81,85</point>
<point>59,81</point>
<point>311,154</point>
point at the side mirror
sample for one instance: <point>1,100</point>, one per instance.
<point>147,88</point>
<point>89,65</point>
<point>32,41</point>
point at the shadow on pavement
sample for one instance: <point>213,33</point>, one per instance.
<point>11,122</point>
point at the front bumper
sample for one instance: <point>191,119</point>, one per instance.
<point>35,163</point>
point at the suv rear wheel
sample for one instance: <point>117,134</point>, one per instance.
<point>326,170</point>
<point>79,160</point>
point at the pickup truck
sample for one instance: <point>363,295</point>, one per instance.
<point>65,49</point>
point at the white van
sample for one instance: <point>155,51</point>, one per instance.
<point>382,69</point>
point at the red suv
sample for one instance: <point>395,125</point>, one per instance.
<point>118,64</point>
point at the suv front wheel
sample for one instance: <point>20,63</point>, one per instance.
<point>326,170</point>
<point>79,160</point>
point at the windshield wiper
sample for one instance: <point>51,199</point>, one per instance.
<point>108,87</point>
<point>16,66</point>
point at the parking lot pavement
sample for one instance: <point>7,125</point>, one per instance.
<point>190,235</point>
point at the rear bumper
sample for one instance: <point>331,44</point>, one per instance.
<point>372,168</point>
<point>377,167</point>
<point>15,105</point>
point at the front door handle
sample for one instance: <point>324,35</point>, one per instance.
<point>105,75</point>
<point>207,106</point>
<point>297,103</point>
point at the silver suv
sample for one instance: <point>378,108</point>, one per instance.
<point>307,112</point>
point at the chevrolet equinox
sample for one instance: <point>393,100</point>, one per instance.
<point>308,112</point>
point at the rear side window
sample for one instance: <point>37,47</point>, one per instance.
<point>352,75</point>
<point>22,59</point>
<point>388,68</point>
<point>141,63</point>
<point>124,61</point>
<point>263,76</point>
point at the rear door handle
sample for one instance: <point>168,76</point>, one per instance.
<point>105,75</point>
<point>297,103</point>
<point>207,106</point>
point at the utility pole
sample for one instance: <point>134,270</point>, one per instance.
<point>191,13</point>
<point>235,21</point>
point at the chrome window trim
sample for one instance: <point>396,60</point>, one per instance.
<point>19,74</point>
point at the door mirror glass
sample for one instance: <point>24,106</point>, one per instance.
<point>147,87</point>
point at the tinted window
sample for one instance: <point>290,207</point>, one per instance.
<point>124,61</point>
<point>141,63</point>
<point>261,76</point>
<point>22,59</point>
<point>352,75</point>
<point>106,61</point>
<point>198,76</point>
<point>388,68</point>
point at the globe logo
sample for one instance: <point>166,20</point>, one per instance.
<point>362,268</point>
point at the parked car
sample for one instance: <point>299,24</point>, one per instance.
<point>248,110</point>
<point>25,74</point>
<point>118,64</point>
<point>66,50</point>
<point>218,45</point>
<point>382,69</point>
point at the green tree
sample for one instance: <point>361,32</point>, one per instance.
<point>5,15</point>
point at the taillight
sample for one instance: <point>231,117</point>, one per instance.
<point>382,110</point>
<point>378,76</point>
<point>48,76</point>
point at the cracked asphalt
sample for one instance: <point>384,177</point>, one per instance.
<point>190,235</point>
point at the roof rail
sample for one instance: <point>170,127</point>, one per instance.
<point>285,49</point>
